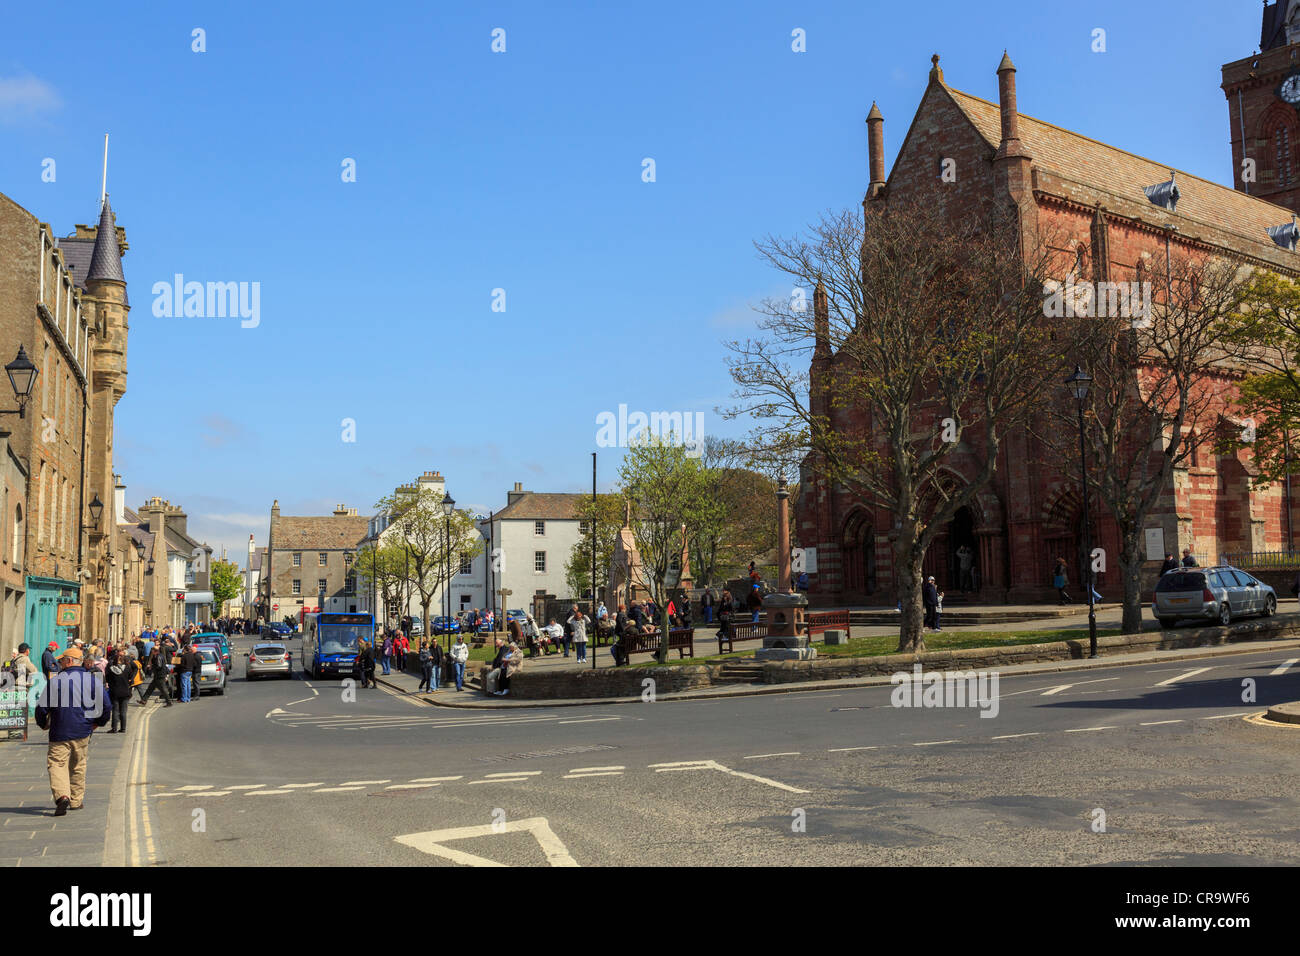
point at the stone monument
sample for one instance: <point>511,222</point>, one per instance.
<point>787,637</point>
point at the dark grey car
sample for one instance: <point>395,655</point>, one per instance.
<point>1216,594</point>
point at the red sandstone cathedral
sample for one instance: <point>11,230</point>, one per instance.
<point>1116,208</point>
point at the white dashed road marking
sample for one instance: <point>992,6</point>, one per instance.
<point>788,753</point>
<point>1286,666</point>
<point>1157,723</point>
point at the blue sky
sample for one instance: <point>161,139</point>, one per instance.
<point>519,171</point>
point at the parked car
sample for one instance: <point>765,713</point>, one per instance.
<point>417,626</point>
<point>213,675</point>
<point>446,625</point>
<point>1215,594</point>
<point>266,658</point>
<point>220,640</point>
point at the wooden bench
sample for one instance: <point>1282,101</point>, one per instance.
<point>680,639</point>
<point>740,632</point>
<point>820,621</point>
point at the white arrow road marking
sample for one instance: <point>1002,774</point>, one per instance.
<point>1183,676</point>
<point>1283,669</point>
<point>277,710</point>
<point>431,841</point>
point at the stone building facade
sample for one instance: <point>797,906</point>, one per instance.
<point>308,564</point>
<point>1092,198</point>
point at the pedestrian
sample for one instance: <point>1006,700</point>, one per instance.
<point>755,603</point>
<point>426,666</point>
<point>187,673</point>
<point>578,624</point>
<point>929,601</point>
<point>966,565</point>
<point>1059,581</point>
<point>1188,560</point>
<point>366,664</point>
<point>401,645</point>
<point>70,707</point>
<point>50,660</point>
<point>159,669</point>
<point>512,660</point>
<point>491,685</point>
<point>386,655</point>
<point>196,673</point>
<point>459,656</point>
<point>706,602</point>
<point>436,658</point>
<point>20,667</point>
<point>121,679</point>
<point>1171,563</point>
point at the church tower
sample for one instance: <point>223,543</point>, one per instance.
<point>107,305</point>
<point>1263,92</point>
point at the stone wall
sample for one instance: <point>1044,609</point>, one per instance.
<point>559,684</point>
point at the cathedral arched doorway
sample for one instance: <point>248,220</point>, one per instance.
<point>963,552</point>
<point>858,553</point>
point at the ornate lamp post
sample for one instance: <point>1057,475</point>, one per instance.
<point>1078,384</point>
<point>22,377</point>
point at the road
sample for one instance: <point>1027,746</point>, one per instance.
<point>292,772</point>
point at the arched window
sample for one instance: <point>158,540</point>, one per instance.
<point>1282,155</point>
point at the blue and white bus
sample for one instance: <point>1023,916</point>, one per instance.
<point>331,642</point>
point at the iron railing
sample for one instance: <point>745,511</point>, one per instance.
<point>1262,559</point>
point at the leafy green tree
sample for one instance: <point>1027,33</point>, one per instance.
<point>608,515</point>
<point>1268,327</point>
<point>418,528</point>
<point>381,569</point>
<point>665,485</point>
<point>227,583</point>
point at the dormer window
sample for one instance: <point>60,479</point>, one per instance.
<point>1165,195</point>
<point>1285,235</point>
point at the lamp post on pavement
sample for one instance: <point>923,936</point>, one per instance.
<point>448,506</point>
<point>1078,384</point>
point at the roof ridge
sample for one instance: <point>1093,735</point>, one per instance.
<point>1025,116</point>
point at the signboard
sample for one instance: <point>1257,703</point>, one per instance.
<point>803,561</point>
<point>13,715</point>
<point>69,615</point>
<point>1155,544</point>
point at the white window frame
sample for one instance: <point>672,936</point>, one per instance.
<point>539,528</point>
<point>539,556</point>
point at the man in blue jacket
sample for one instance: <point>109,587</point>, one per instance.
<point>50,661</point>
<point>70,707</point>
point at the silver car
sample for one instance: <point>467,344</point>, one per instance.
<point>1216,594</point>
<point>267,658</point>
<point>213,674</point>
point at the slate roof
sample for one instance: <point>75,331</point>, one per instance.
<point>324,533</point>
<point>1204,206</point>
<point>106,258</point>
<point>532,505</point>
<point>1272,31</point>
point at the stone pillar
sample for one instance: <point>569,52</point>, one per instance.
<point>783,535</point>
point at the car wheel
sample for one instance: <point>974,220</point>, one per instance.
<point>1225,615</point>
<point>1167,622</point>
<point>1270,606</point>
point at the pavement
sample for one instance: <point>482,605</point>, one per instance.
<point>30,834</point>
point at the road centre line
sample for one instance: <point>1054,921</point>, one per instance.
<point>1284,668</point>
<point>840,750</point>
<point>1084,730</point>
<point>303,701</point>
<point>593,769</point>
<point>584,776</point>
<point>436,779</point>
<point>935,743</point>
<point>788,753</point>
<point>365,783</point>
<point>1012,736</point>
<point>265,793</point>
<point>590,720</point>
<point>514,773</point>
<point>1157,723</point>
<point>322,790</point>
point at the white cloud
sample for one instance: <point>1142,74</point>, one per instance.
<point>25,97</point>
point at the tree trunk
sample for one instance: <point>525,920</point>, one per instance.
<point>428,624</point>
<point>1131,570</point>
<point>911,633</point>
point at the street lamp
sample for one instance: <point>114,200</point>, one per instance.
<point>96,510</point>
<point>1078,384</point>
<point>448,506</point>
<point>22,377</point>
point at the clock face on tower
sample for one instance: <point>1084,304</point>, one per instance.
<point>1290,89</point>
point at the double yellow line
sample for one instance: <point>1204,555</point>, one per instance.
<point>139,827</point>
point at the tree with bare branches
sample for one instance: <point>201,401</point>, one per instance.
<point>929,336</point>
<point>1159,379</point>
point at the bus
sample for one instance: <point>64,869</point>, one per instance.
<point>331,642</point>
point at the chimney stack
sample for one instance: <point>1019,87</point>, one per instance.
<point>876,151</point>
<point>1010,145</point>
<point>821,320</point>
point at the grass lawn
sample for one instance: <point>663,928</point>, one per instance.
<point>888,643</point>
